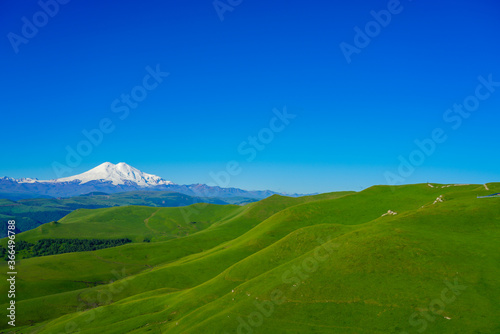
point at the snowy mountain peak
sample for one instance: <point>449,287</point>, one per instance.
<point>21,180</point>
<point>118,174</point>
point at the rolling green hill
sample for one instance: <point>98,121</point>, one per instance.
<point>407,259</point>
<point>30,213</point>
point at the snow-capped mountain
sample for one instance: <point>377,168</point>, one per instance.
<point>119,174</point>
<point>110,178</point>
<point>21,180</point>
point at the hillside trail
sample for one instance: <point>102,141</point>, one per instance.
<point>146,222</point>
<point>486,187</point>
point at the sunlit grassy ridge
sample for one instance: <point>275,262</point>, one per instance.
<point>323,264</point>
<point>31,213</point>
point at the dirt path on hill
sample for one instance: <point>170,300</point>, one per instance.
<point>146,222</point>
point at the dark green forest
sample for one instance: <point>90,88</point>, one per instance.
<point>45,247</point>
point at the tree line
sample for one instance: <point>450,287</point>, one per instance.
<point>45,247</point>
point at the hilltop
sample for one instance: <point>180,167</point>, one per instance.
<point>31,213</point>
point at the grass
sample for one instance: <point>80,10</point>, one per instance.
<point>30,213</point>
<point>329,263</point>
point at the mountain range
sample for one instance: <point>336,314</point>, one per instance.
<point>114,178</point>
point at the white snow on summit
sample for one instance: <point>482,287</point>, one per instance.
<point>118,174</point>
<point>21,180</point>
<point>27,180</point>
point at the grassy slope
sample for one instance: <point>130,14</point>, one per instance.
<point>67,278</point>
<point>31,213</point>
<point>379,271</point>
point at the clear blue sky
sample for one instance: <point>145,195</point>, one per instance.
<point>353,120</point>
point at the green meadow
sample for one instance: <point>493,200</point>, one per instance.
<point>330,263</point>
<point>33,212</point>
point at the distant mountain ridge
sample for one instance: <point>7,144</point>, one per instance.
<point>114,178</point>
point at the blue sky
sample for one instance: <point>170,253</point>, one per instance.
<point>354,121</point>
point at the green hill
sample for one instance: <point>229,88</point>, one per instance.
<point>31,213</point>
<point>404,259</point>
